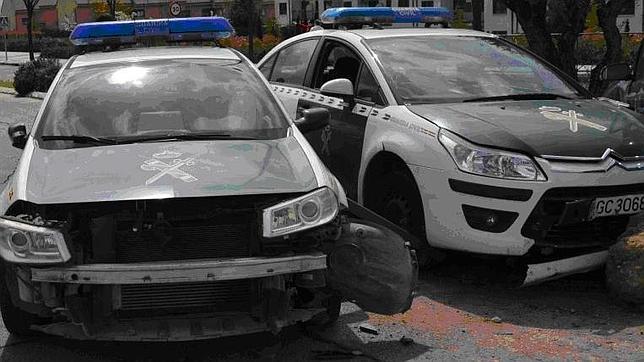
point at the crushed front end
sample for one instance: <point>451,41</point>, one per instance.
<point>186,269</point>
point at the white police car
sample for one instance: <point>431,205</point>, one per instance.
<point>465,139</point>
<point>164,194</point>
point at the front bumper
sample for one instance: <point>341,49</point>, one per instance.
<point>445,220</point>
<point>181,271</point>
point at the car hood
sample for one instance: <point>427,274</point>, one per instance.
<point>168,169</point>
<point>572,128</point>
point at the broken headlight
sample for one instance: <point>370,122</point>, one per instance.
<point>30,244</point>
<point>311,210</point>
<point>489,162</point>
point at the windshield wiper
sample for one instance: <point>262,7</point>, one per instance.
<point>518,97</point>
<point>183,137</point>
<point>81,139</point>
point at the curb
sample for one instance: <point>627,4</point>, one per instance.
<point>11,63</point>
<point>34,95</point>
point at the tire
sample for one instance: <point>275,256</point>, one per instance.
<point>396,198</point>
<point>16,320</point>
<point>327,319</point>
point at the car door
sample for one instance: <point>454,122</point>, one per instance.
<point>339,145</point>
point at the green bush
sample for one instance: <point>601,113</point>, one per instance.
<point>35,76</point>
<point>59,52</point>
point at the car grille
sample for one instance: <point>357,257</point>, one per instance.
<point>185,241</point>
<point>545,227</point>
<point>182,298</point>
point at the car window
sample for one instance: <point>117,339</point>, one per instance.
<point>182,95</point>
<point>267,67</point>
<point>367,88</point>
<point>336,61</point>
<point>443,69</point>
<point>292,62</point>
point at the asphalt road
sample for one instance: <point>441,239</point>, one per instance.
<point>7,71</point>
<point>452,318</point>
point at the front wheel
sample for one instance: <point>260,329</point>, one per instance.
<point>397,199</point>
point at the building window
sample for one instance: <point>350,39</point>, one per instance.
<point>628,9</point>
<point>499,7</point>
<point>282,8</point>
<point>464,5</point>
<point>403,3</point>
<point>346,4</point>
<point>427,4</point>
<point>23,21</point>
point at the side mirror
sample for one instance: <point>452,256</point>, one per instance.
<point>313,119</point>
<point>619,71</point>
<point>18,135</point>
<point>341,88</point>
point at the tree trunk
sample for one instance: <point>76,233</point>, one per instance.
<point>532,18</point>
<point>477,15</point>
<point>30,36</point>
<point>251,31</point>
<point>607,16</point>
<point>112,5</point>
<point>571,16</point>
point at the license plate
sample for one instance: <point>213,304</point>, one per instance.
<point>619,205</point>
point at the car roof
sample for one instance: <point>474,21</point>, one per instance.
<point>393,32</point>
<point>134,54</point>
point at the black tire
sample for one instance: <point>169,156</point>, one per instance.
<point>16,320</point>
<point>326,319</point>
<point>396,198</point>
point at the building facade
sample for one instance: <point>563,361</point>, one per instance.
<point>65,14</point>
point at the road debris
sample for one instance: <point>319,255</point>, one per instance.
<point>368,328</point>
<point>406,341</point>
<point>496,319</point>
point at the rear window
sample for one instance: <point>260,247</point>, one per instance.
<point>183,95</point>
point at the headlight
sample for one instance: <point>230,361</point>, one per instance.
<point>489,162</point>
<point>25,243</point>
<point>311,210</point>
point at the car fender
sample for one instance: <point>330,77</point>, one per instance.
<point>399,131</point>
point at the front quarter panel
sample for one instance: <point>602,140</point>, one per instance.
<point>397,130</point>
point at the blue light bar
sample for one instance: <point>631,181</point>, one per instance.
<point>384,15</point>
<point>129,31</point>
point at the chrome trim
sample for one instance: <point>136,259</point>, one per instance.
<point>180,271</point>
<point>601,166</point>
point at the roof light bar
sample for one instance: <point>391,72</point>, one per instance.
<point>385,15</point>
<point>129,31</point>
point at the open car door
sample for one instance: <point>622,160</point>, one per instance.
<point>373,266</point>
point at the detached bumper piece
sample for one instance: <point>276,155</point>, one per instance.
<point>538,273</point>
<point>181,271</point>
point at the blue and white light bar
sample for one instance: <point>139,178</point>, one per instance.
<point>129,31</point>
<point>385,15</point>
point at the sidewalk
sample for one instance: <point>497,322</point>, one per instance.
<point>14,58</point>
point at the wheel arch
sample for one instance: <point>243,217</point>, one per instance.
<point>382,162</point>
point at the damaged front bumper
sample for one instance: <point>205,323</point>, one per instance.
<point>180,272</point>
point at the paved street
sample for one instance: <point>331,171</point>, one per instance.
<point>14,57</point>
<point>453,317</point>
<point>7,71</point>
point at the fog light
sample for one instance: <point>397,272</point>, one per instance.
<point>491,220</point>
<point>494,221</point>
